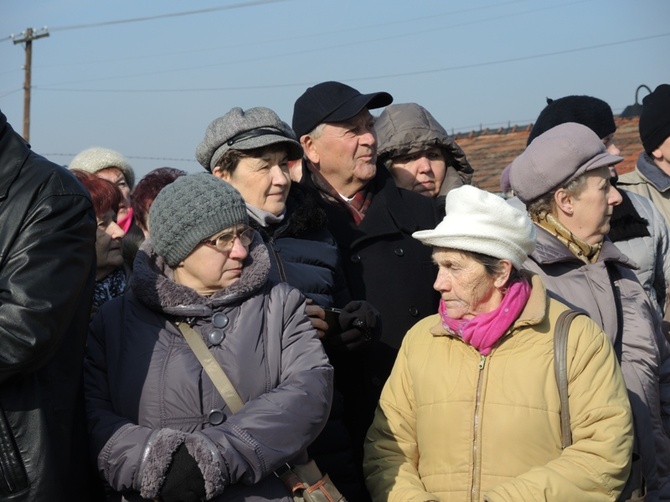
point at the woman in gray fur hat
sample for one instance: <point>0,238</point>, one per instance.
<point>159,429</point>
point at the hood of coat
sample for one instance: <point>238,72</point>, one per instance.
<point>408,128</point>
<point>548,250</point>
<point>153,283</point>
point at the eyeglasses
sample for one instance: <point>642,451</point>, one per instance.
<point>225,242</point>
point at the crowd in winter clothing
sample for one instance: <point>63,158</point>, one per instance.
<point>370,309</point>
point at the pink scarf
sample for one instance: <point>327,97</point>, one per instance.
<point>126,221</point>
<point>484,330</point>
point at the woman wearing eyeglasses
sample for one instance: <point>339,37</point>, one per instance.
<point>158,427</point>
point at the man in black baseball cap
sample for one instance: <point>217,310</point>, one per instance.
<point>372,221</point>
<point>334,122</point>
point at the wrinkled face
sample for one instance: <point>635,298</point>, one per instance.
<point>108,245</point>
<point>421,172</point>
<point>346,153</point>
<point>263,181</point>
<point>207,269</point>
<point>464,285</point>
<point>592,207</point>
<point>115,175</point>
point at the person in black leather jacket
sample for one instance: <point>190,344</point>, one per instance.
<point>47,267</point>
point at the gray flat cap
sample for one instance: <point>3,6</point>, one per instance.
<point>245,130</point>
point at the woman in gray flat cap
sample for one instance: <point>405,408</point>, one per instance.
<point>251,149</point>
<point>158,426</point>
<point>563,177</point>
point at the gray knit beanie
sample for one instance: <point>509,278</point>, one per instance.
<point>245,130</point>
<point>192,208</point>
<point>96,159</point>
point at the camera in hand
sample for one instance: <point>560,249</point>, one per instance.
<point>333,320</point>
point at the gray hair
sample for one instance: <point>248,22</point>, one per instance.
<point>546,204</point>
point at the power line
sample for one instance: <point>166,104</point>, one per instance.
<point>394,36</point>
<point>374,77</point>
<point>164,16</point>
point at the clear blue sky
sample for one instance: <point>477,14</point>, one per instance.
<point>146,77</point>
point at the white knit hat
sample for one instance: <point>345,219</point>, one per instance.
<point>481,222</point>
<point>96,159</point>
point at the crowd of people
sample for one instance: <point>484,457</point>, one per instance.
<point>337,290</point>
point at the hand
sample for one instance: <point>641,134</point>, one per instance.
<point>360,325</point>
<point>183,480</point>
<point>317,316</point>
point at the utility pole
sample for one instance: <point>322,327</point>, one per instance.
<point>27,38</point>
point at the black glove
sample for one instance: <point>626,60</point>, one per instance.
<point>360,325</point>
<point>183,480</point>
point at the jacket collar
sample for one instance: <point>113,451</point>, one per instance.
<point>153,283</point>
<point>652,173</point>
<point>14,152</point>
<point>549,250</point>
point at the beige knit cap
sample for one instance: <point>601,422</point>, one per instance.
<point>96,159</point>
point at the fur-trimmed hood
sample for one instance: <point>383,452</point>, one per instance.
<point>153,283</point>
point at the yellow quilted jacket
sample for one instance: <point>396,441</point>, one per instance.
<point>453,425</point>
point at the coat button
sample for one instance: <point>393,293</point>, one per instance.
<point>216,337</point>
<point>216,417</point>
<point>220,320</point>
<point>355,258</point>
<point>399,251</point>
<point>413,311</point>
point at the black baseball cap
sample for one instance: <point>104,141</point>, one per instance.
<point>332,102</point>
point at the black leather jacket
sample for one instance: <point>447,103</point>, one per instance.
<point>47,268</point>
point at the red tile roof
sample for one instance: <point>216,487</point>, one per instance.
<point>489,151</point>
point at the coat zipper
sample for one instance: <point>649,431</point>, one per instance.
<point>476,464</point>
<point>280,264</point>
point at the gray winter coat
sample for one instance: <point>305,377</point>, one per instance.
<point>147,393</point>
<point>651,253</point>
<point>645,361</point>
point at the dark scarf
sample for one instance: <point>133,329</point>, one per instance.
<point>109,287</point>
<point>626,222</point>
<point>357,206</point>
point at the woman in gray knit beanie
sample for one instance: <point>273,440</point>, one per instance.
<point>158,425</point>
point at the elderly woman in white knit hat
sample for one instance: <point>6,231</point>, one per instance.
<point>472,411</point>
<point>200,303</point>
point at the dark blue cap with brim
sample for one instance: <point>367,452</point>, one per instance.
<point>329,102</point>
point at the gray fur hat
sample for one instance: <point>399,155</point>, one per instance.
<point>190,209</point>
<point>96,159</point>
<point>245,130</point>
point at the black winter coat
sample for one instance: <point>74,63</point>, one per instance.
<point>303,253</point>
<point>47,268</point>
<point>387,267</point>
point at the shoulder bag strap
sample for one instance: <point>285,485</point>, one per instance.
<point>211,367</point>
<point>561,331</point>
